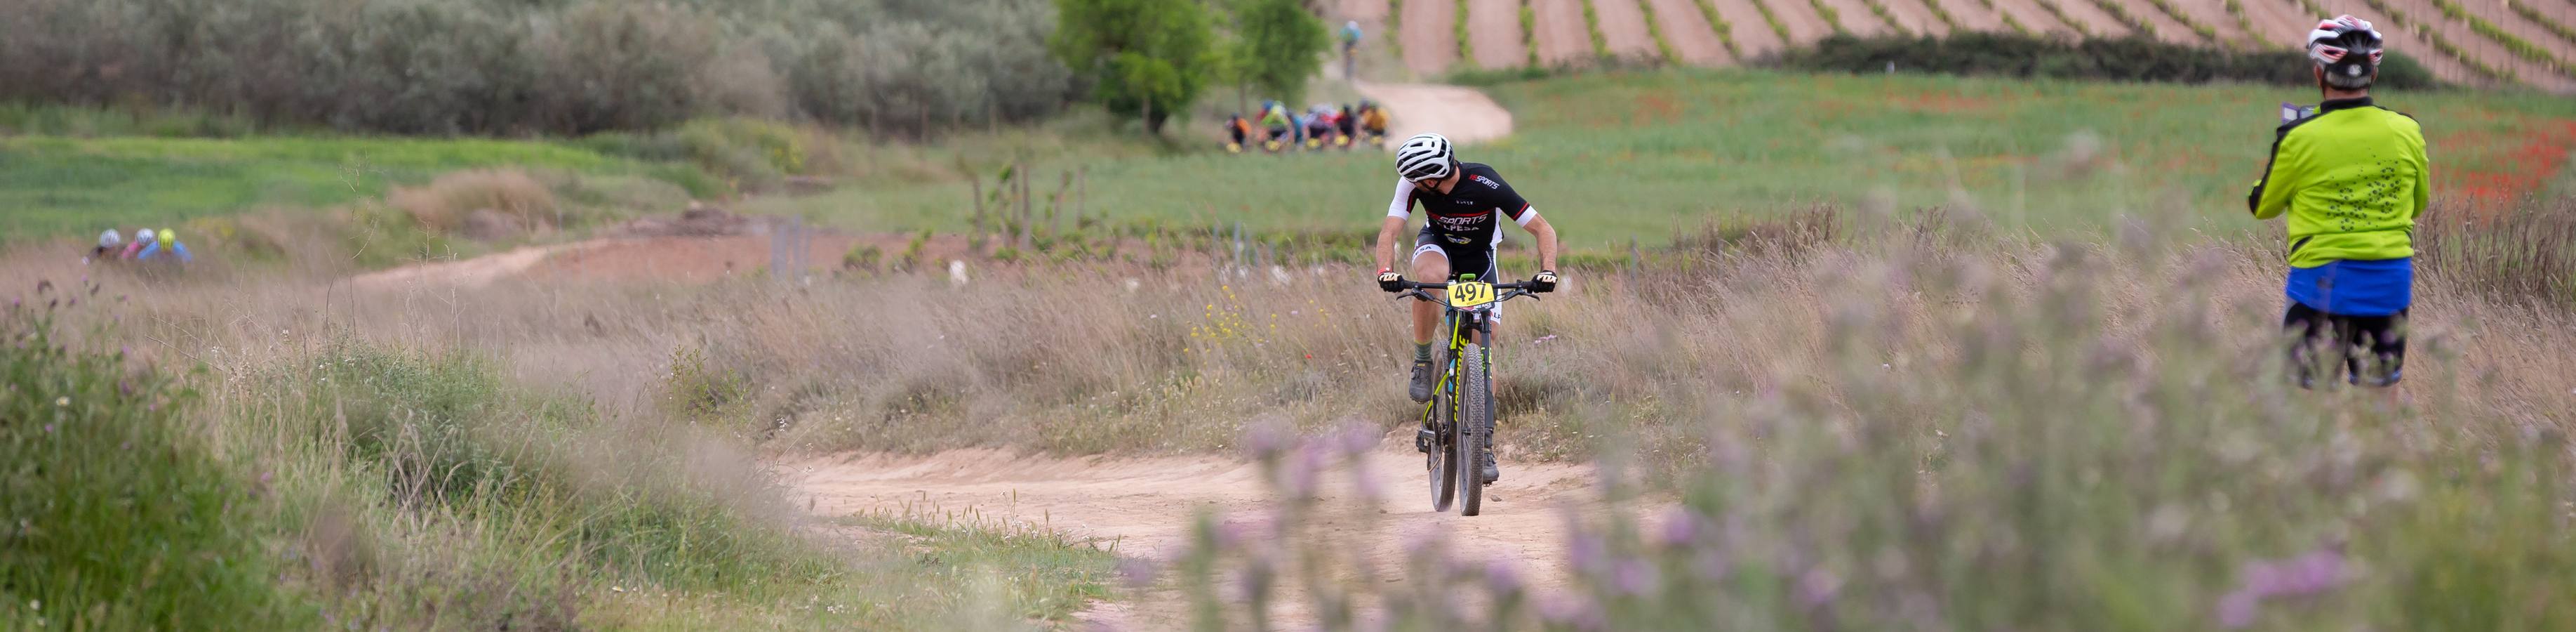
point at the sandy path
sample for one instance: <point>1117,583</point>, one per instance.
<point>1430,36</point>
<point>1692,37</point>
<point>1462,114</point>
<point>1562,38</point>
<point>1365,11</point>
<point>1804,23</point>
<point>2478,47</point>
<point>1916,17</point>
<point>1496,25</point>
<point>2030,14</point>
<point>464,273</point>
<point>1752,35</point>
<point>1974,16</point>
<point>1624,25</point>
<point>1147,505</point>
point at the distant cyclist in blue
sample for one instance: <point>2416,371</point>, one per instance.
<point>165,241</point>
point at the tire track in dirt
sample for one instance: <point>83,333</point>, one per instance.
<point>1562,37</point>
<point>1974,16</point>
<point>1804,23</point>
<point>1496,27</point>
<point>1430,36</point>
<point>1692,37</point>
<point>1148,505</point>
<point>1624,25</point>
<point>1752,34</point>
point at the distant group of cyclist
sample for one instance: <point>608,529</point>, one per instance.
<point>148,245</point>
<point>1325,126</point>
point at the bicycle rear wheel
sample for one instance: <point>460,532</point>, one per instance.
<point>1474,424</point>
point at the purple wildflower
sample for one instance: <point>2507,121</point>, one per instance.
<point>1266,439</point>
<point>1680,526</point>
<point>1137,573</point>
<point>1502,577</point>
<point>1587,552</point>
<point>2309,574</point>
<point>1634,577</point>
<point>2237,609</point>
<point>1303,472</point>
<point>1818,587</point>
<point>1357,439</point>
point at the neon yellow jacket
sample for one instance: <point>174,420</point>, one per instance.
<point>2352,179</point>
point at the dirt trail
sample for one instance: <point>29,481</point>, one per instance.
<point>1148,504</point>
<point>1430,33</point>
<point>1693,39</point>
<point>1752,35</point>
<point>1365,11</point>
<point>463,273</point>
<point>1462,114</point>
<point>1496,27</point>
<point>1624,26</point>
<point>1562,38</point>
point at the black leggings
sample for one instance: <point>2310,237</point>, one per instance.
<point>2373,348</point>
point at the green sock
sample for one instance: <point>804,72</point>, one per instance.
<point>1422,352</point>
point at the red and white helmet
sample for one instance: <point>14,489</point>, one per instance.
<point>2345,47</point>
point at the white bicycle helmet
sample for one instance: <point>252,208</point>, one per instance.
<point>1424,157</point>
<point>2347,49</point>
<point>110,239</point>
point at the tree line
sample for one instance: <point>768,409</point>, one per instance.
<point>572,67</point>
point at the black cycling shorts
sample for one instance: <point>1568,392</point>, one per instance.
<point>1463,258</point>
<point>2373,348</point>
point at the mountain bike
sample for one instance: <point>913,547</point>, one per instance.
<point>1458,423</point>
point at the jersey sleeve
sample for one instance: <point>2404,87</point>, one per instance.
<point>1510,204</point>
<point>2423,174</point>
<point>2271,195</point>
<point>1402,206</point>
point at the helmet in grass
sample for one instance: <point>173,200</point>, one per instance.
<point>1424,157</point>
<point>110,239</point>
<point>167,237</point>
<point>142,236</point>
<point>2346,51</point>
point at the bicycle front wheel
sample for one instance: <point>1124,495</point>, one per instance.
<point>1475,424</point>
<point>1441,461</point>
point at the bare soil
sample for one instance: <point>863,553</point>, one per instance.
<point>1562,37</point>
<point>1692,37</point>
<point>1430,34</point>
<point>2167,28</point>
<point>1365,11</point>
<point>2491,52</point>
<point>2281,23</point>
<point>1857,19</point>
<point>2093,17</point>
<point>1973,15</point>
<point>1146,506</point>
<point>1805,24</point>
<point>2032,15</point>
<point>1916,17</point>
<point>1496,25</point>
<point>1624,25</point>
<point>1752,34</point>
<point>2402,39</point>
<point>2213,13</point>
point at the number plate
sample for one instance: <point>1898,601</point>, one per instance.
<point>1466,294</point>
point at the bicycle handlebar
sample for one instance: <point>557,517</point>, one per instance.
<point>1418,285</point>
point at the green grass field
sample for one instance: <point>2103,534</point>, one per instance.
<point>1639,155</point>
<point>56,184</point>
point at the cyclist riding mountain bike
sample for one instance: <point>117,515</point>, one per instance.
<point>1345,123</point>
<point>1238,129</point>
<point>1465,205</point>
<point>2351,179</point>
<point>1276,121</point>
<point>1373,119</point>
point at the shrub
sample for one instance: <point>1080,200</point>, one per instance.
<point>448,203</point>
<point>2127,59</point>
<point>113,515</point>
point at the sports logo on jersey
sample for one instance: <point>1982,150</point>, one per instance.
<point>1490,184</point>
